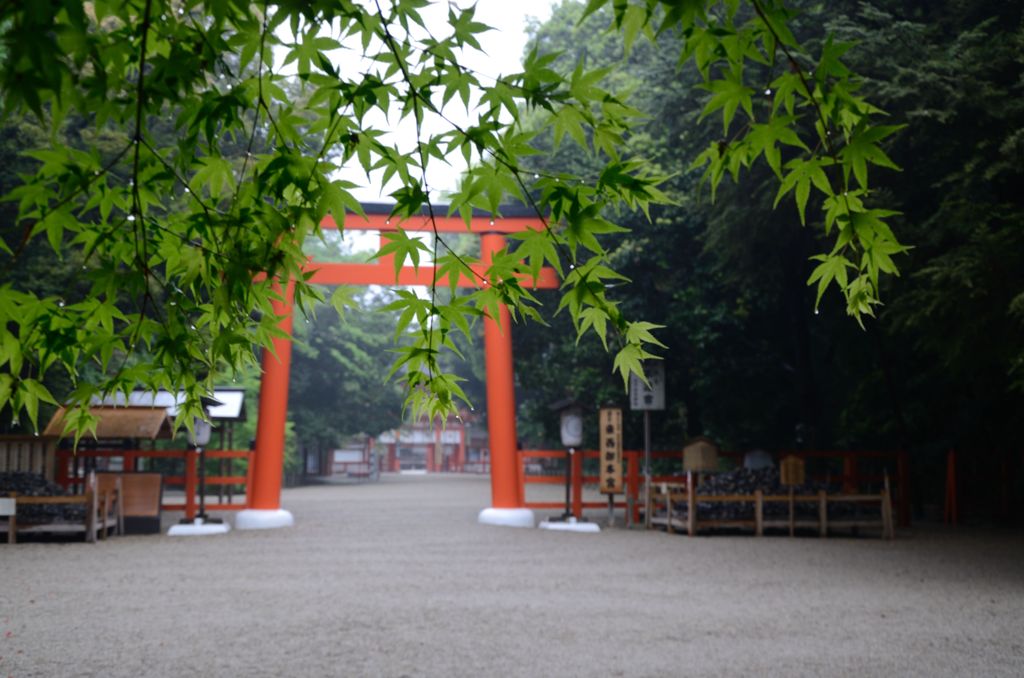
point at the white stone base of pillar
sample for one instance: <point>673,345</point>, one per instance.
<point>571,525</point>
<point>198,528</point>
<point>507,517</point>
<point>263,519</point>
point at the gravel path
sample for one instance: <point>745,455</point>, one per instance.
<point>398,579</point>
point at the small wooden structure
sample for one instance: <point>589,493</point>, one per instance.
<point>119,428</point>
<point>700,454</point>
<point>792,471</point>
<point>666,496</point>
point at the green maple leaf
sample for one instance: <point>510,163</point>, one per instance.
<point>802,173</point>
<point>403,247</point>
<point>537,248</point>
<point>728,95</point>
<point>764,138</point>
<point>630,360</point>
<point>832,267</point>
<point>863,148</point>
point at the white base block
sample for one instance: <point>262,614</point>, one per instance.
<point>507,517</point>
<point>263,519</point>
<point>570,525</point>
<point>198,528</point>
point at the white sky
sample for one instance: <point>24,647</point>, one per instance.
<point>504,48</point>
<point>503,53</point>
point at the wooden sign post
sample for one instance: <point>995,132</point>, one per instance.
<point>611,456</point>
<point>648,397</point>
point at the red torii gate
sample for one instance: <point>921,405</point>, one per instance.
<point>506,501</point>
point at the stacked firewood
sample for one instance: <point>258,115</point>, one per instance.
<point>744,481</point>
<point>26,484</point>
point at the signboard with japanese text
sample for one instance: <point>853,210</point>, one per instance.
<point>611,450</point>
<point>650,396</point>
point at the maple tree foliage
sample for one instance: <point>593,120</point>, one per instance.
<point>185,245</point>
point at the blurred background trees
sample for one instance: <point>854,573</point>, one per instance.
<point>751,363</point>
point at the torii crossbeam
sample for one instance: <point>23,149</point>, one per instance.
<point>507,506</point>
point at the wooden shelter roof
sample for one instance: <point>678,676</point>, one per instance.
<point>227,404</point>
<point>121,422</point>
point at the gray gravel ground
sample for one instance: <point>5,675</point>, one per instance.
<point>398,579</point>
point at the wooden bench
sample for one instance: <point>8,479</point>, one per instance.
<point>141,497</point>
<point>100,516</point>
<point>666,495</point>
<point>111,498</point>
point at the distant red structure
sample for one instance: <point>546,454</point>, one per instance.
<point>457,447</point>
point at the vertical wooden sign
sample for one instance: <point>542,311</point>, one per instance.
<point>611,450</point>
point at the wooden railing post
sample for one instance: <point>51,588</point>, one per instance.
<point>63,461</point>
<point>691,505</point>
<point>758,513</point>
<point>91,508</point>
<point>190,484</point>
<point>577,484</point>
<point>849,474</point>
<point>822,514</point>
<point>248,480</point>
<point>903,487</point>
<point>952,511</point>
<point>632,488</point>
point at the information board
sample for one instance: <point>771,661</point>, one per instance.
<point>611,450</point>
<point>644,397</point>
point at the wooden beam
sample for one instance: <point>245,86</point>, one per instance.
<point>384,274</point>
<point>441,223</point>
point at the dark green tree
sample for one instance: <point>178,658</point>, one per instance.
<point>754,365</point>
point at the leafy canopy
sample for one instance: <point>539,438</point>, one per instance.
<point>185,245</point>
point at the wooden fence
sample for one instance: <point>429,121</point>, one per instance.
<point>853,469</point>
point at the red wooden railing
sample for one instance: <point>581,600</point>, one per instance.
<point>68,475</point>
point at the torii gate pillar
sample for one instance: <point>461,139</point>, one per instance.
<point>507,506</point>
<point>265,510</point>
